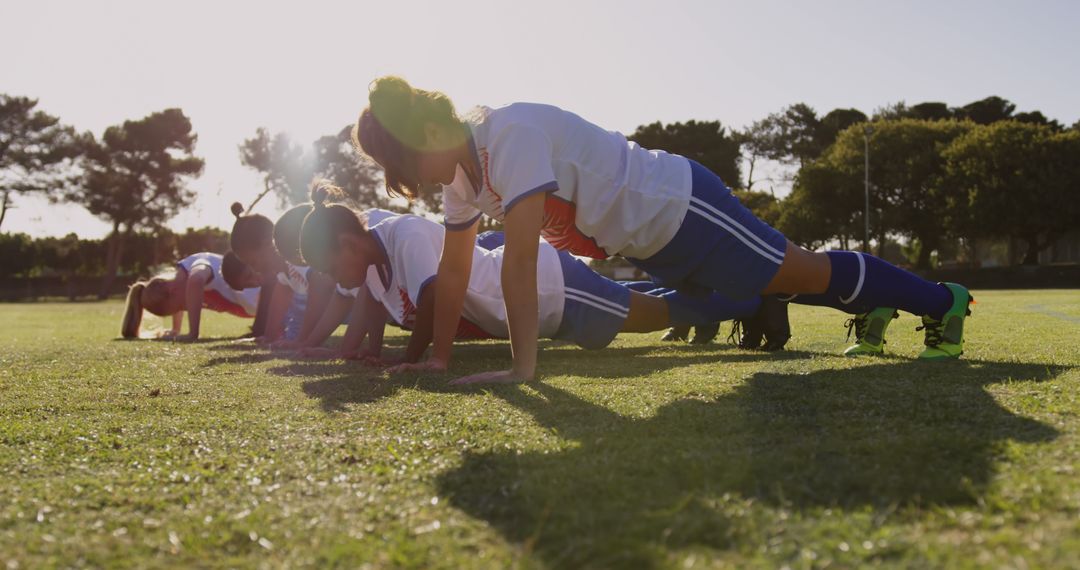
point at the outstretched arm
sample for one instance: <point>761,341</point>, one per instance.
<point>523,224</point>
<point>451,284</point>
<point>279,308</point>
<point>193,299</point>
<point>425,323</point>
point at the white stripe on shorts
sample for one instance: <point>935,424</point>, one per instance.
<point>598,299</point>
<point>607,309</point>
<point>721,219</point>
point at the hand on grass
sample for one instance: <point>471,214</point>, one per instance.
<point>429,365</point>
<point>284,344</point>
<point>496,377</point>
<point>318,353</point>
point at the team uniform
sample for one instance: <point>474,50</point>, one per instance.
<point>295,277</point>
<point>674,219</point>
<point>217,295</point>
<point>608,196</point>
<point>575,303</point>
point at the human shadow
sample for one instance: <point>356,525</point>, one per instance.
<point>339,383</point>
<point>623,490</point>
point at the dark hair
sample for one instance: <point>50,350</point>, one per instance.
<point>391,129</point>
<point>233,271</point>
<point>323,225</point>
<point>287,233</point>
<point>249,232</point>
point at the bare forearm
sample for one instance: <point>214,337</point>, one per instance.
<point>279,307</point>
<point>522,313</point>
<point>321,298</point>
<point>328,322</point>
<point>449,298</point>
<point>193,303</point>
<point>425,321</point>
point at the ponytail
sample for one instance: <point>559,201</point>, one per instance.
<point>322,226</point>
<point>249,232</point>
<point>133,310</point>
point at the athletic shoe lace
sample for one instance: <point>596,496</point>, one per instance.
<point>934,333</point>
<point>858,323</point>
<point>736,333</point>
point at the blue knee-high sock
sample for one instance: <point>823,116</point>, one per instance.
<point>685,309</point>
<point>861,283</point>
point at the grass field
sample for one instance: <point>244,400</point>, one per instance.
<point>144,454</point>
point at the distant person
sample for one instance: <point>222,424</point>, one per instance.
<point>252,240</point>
<point>198,283</point>
<point>543,171</point>
<point>336,305</point>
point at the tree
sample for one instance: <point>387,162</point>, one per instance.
<point>136,178</point>
<point>906,177</point>
<point>754,147</point>
<point>707,142</point>
<point>931,111</point>
<point>1037,118</point>
<point>825,203</point>
<point>35,150</point>
<point>1017,179</point>
<point>928,111</point>
<point>986,111</point>
<point>794,136</point>
<point>360,178</point>
<point>790,136</point>
<point>832,124</point>
<point>17,251</point>
<point>286,168</point>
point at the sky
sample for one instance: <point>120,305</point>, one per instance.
<point>304,67</point>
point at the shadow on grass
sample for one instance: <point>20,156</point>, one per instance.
<point>881,436</point>
<point>339,384</point>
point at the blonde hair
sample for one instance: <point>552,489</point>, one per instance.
<point>149,295</point>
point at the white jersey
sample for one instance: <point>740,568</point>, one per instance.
<point>413,246</point>
<point>216,289</point>
<point>295,277</point>
<point>605,195</point>
<point>377,215</point>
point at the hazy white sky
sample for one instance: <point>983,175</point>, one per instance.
<point>304,67</point>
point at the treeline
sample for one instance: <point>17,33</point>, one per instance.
<point>72,256</point>
<point>136,176</point>
<point>937,174</point>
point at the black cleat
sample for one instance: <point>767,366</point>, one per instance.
<point>746,334</point>
<point>774,322</point>
<point>768,329</point>
<point>704,334</point>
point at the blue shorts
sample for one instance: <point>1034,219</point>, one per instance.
<point>721,246</point>
<point>596,307</point>
<point>490,240</point>
<point>294,318</point>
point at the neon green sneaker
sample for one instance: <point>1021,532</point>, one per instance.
<point>945,338</point>
<point>870,331</point>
